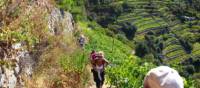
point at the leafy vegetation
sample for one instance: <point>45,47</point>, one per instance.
<point>125,70</point>
<point>76,7</point>
<point>163,32</point>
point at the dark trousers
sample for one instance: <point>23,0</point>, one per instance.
<point>96,78</point>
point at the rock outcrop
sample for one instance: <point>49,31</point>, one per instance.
<point>16,61</point>
<point>60,22</point>
<point>14,64</point>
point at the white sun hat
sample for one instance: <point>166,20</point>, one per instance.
<point>163,77</point>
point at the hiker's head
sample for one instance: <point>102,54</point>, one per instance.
<point>163,77</point>
<point>93,51</point>
<point>99,61</point>
<point>82,36</point>
<point>101,54</point>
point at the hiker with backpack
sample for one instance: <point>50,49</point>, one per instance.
<point>163,77</point>
<point>93,55</point>
<point>82,40</point>
<point>99,63</point>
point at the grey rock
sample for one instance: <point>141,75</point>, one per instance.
<point>17,46</point>
<point>60,23</point>
<point>2,80</point>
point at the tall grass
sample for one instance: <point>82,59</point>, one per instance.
<point>125,70</point>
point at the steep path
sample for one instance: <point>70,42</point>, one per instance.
<point>91,82</point>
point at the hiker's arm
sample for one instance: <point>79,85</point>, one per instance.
<point>107,62</point>
<point>146,85</point>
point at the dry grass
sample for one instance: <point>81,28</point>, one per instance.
<point>32,19</point>
<point>49,73</point>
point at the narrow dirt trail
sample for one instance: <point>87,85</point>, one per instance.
<point>104,86</point>
<point>91,83</point>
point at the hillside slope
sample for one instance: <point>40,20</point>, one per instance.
<point>165,32</point>
<point>125,69</point>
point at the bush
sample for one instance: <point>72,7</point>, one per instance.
<point>186,45</point>
<point>66,4</point>
<point>74,62</point>
<point>129,30</point>
<point>129,74</point>
<point>190,69</point>
<point>141,49</point>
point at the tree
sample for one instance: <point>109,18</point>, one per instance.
<point>190,69</point>
<point>66,4</point>
<point>186,45</point>
<point>141,49</point>
<point>129,30</point>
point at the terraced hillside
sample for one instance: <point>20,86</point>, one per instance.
<point>157,16</point>
<point>145,16</point>
<point>174,24</point>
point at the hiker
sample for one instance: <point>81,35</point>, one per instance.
<point>163,77</point>
<point>98,70</point>
<point>92,58</point>
<point>81,40</point>
<point>93,55</point>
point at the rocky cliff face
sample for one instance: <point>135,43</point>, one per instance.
<point>60,22</point>
<point>17,62</point>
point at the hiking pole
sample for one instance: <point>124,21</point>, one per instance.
<point>113,43</point>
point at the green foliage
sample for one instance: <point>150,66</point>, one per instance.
<point>190,69</point>
<point>186,45</point>
<point>191,37</point>
<point>76,7</point>
<point>158,25</point>
<point>129,74</point>
<point>74,62</point>
<point>125,70</point>
<point>3,3</point>
<point>141,49</point>
<point>191,83</point>
<point>66,4</point>
<point>129,30</point>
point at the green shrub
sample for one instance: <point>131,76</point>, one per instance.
<point>74,62</point>
<point>129,74</point>
<point>141,49</point>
